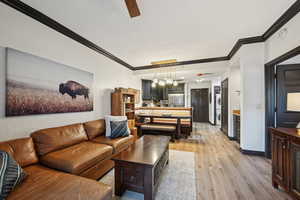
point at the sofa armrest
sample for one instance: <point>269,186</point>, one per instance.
<point>133,131</point>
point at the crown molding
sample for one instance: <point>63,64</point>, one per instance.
<point>243,41</point>
<point>283,19</point>
<point>291,12</point>
<point>44,19</point>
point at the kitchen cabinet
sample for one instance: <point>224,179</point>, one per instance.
<point>159,92</point>
<point>286,160</point>
<point>176,89</point>
<point>146,89</point>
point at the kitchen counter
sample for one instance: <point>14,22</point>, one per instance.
<point>236,112</point>
<point>163,108</point>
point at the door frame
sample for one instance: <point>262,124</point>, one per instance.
<point>270,95</point>
<point>215,102</point>
<point>207,100</point>
<point>215,107</point>
<point>227,105</point>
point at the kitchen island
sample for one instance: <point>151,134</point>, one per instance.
<point>179,116</point>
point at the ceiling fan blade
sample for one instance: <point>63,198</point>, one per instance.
<point>133,8</point>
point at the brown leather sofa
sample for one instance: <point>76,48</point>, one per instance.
<point>80,150</point>
<point>48,184</point>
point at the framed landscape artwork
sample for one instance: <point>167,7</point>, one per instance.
<point>36,85</point>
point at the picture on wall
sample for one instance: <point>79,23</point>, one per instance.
<point>36,85</point>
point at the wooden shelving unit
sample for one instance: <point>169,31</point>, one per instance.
<point>123,102</point>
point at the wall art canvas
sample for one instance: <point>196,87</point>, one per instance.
<point>36,85</point>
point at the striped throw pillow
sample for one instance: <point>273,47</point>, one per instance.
<point>11,174</point>
<point>118,129</point>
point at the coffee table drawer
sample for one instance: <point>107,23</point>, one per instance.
<point>133,175</point>
<point>160,166</point>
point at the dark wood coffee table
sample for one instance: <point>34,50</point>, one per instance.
<point>138,168</point>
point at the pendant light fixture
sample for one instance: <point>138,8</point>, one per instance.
<point>161,83</point>
<point>153,85</point>
<point>175,83</point>
<point>162,79</point>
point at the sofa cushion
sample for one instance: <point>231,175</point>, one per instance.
<point>119,144</point>
<point>77,158</point>
<point>94,128</point>
<point>52,139</point>
<point>22,150</point>
<point>47,184</point>
<point>109,118</point>
<point>11,174</point>
<point>118,129</point>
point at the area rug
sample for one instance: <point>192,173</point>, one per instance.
<point>178,181</point>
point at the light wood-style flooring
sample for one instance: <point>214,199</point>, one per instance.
<point>223,172</point>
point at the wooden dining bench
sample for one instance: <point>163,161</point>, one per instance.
<point>185,125</point>
<point>159,129</point>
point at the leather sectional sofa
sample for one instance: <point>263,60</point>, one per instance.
<point>64,162</point>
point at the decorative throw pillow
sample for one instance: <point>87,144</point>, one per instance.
<point>108,119</point>
<point>11,174</point>
<point>119,129</point>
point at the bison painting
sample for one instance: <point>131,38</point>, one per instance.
<point>35,85</point>
<point>73,89</point>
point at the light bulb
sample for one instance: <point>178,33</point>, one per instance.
<point>175,83</point>
<point>161,83</point>
<point>169,81</point>
<point>153,85</point>
<point>155,80</point>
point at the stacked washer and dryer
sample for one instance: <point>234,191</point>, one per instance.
<point>218,104</point>
<point>218,109</point>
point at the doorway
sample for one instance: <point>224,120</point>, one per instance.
<point>224,107</point>
<point>288,93</point>
<point>200,104</point>
<point>217,103</point>
<point>271,92</point>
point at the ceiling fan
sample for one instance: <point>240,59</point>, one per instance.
<point>133,8</point>
<point>204,74</point>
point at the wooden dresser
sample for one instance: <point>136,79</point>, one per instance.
<point>286,160</point>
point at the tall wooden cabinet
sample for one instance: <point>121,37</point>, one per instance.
<point>286,160</point>
<point>123,102</point>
